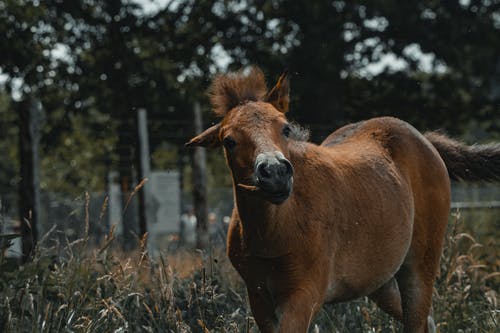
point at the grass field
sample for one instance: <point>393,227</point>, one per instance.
<point>79,287</point>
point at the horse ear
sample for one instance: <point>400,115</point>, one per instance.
<point>279,95</point>
<point>208,138</point>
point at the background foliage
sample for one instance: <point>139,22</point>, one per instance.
<point>94,63</point>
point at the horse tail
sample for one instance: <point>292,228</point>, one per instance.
<point>479,162</point>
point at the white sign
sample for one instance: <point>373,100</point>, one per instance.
<point>166,205</point>
<point>115,209</point>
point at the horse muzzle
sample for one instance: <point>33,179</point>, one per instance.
<point>274,176</point>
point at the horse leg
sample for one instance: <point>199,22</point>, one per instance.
<point>264,311</point>
<point>293,315</point>
<point>416,278</point>
<point>388,299</point>
<point>298,311</point>
<point>418,273</point>
<point>416,296</point>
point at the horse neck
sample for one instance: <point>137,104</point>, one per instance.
<point>253,212</point>
<point>258,215</point>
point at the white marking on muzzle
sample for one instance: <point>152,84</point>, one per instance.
<point>271,157</point>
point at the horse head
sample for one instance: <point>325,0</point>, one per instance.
<point>254,133</point>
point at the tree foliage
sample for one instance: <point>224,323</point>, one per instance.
<point>94,63</point>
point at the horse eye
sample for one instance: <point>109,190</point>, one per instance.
<point>229,143</point>
<point>287,130</point>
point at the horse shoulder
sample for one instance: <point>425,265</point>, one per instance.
<point>384,131</point>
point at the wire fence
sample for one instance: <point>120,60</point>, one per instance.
<point>66,217</point>
<point>475,196</point>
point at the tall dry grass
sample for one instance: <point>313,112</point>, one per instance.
<point>80,287</point>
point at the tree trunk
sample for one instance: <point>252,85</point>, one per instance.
<point>125,175</point>
<point>200,186</point>
<point>122,109</point>
<point>29,186</point>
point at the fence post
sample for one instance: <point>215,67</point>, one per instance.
<point>30,117</point>
<point>144,170</point>
<point>200,185</point>
<point>126,139</point>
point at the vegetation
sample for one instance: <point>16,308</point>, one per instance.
<point>93,64</point>
<point>76,287</point>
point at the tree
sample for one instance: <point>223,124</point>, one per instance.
<point>26,46</point>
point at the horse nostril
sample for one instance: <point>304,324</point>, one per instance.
<point>262,171</point>
<point>288,168</point>
<point>282,170</point>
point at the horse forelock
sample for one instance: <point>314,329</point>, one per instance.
<point>230,90</point>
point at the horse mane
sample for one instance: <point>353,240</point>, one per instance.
<point>299,133</point>
<point>232,89</point>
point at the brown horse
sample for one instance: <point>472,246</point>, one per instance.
<point>364,213</point>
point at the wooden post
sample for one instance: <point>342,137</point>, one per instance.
<point>200,185</point>
<point>125,142</point>
<point>30,114</point>
<point>181,162</point>
<point>144,169</point>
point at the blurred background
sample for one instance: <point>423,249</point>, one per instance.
<point>98,96</point>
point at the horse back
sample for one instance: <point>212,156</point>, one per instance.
<point>415,156</point>
<point>396,137</point>
<point>343,133</point>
